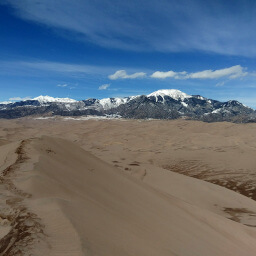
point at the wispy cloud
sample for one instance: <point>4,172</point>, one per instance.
<point>220,84</point>
<point>67,86</point>
<point>47,68</point>
<point>104,87</point>
<point>62,85</point>
<point>232,73</point>
<point>161,25</point>
<point>64,67</point>
<point>121,74</point>
<point>36,68</point>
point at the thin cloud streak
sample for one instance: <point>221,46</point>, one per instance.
<point>34,68</point>
<point>121,74</point>
<point>220,84</point>
<point>104,87</point>
<point>62,85</point>
<point>64,67</point>
<point>171,26</point>
<point>232,73</point>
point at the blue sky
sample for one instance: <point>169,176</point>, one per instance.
<point>97,48</point>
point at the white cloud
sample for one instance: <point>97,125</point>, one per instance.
<point>104,87</point>
<point>231,73</point>
<point>121,74</point>
<point>19,98</point>
<point>62,85</point>
<point>172,74</point>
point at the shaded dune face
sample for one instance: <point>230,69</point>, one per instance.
<point>88,207</point>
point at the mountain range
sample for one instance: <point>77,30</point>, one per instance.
<point>161,104</point>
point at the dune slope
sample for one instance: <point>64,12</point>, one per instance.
<point>88,207</point>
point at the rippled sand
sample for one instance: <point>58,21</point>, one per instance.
<point>127,187</point>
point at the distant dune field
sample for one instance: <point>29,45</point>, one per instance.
<point>127,187</point>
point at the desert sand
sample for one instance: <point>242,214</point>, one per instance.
<point>127,187</point>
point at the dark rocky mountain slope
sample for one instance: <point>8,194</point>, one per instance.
<point>162,104</point>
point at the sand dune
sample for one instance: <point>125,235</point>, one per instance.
<point>77,204</point>
<point>138,189</point>
<point>220,153</point>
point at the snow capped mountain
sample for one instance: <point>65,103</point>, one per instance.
<point>109,103</point>
<point>46,99</point>
<point>161,104</point>
<point>5,102</point>
<point>199,97</point>
<point>175,94</point>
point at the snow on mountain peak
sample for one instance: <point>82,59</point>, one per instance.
<point>5,102</point>
<point>175,94</point>
<point>45,99</point>
<point>109,103</point>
